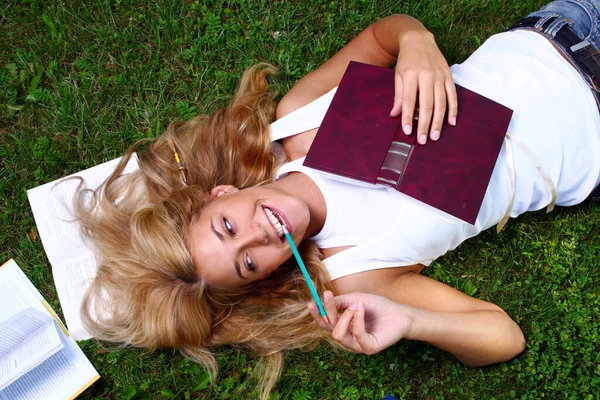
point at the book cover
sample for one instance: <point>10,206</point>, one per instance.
<point>359,140</point>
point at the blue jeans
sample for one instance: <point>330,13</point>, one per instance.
<point>574,28</point>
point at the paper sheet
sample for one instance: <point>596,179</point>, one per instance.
<point>73,262</point>
<point>26,340</point>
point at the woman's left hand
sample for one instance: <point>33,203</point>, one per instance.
<point>369,323</point>
<point>423,72</point>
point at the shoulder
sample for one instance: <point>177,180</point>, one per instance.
<point>297,146</point>
<point>363,48</point>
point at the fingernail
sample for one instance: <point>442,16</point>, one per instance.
<point>353,306</point>
<point>435,135</point>
<point>361,305</point>
<point>453,121</point>
<point>407,129</point>
<point>422,139</point>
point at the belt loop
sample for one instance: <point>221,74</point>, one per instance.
<point>539,25</point>
<point>555,26</point>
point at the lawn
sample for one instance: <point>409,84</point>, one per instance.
<point>81,80</point>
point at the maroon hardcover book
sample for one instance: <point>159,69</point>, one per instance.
<point>358,139</point>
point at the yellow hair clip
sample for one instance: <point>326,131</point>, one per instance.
<point>181,167</point>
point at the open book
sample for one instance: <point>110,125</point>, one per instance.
<point>73,262</point>
<point>38,357</point>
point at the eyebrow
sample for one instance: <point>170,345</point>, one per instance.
<point>212,228</point>
<point>236,264</point>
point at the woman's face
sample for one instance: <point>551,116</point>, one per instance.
<point>238,238</point>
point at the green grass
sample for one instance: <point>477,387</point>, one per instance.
<point>80,80</point>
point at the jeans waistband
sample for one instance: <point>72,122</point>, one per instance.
<point>584,55</point>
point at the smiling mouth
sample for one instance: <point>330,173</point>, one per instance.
<point>276,221</point>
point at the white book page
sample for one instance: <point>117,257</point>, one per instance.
<point>65,374</point>
<point>72,280</point>
<point>62,376</point>
<point>17,293</point>
<point>52,206</point>
<point>73,263</point>
<point>26,340</point>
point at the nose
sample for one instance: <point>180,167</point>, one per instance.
<point>256,235</point>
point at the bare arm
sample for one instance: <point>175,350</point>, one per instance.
<point>475,337</point>
<point>418,308</point>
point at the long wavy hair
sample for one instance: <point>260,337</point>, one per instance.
<point>147,292</point>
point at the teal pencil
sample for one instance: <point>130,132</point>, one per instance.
<point>311,287</point>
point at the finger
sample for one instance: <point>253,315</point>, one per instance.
<point>330,308</point>
<point>409,98</point>
<point>452,102</point>
<point>359,331</point>
<point>425,109</point>
<point>342,331</point>
<point>438,112</point>
<point>314,312</point>
<point>342,328</point>
<point>397,107</point>
<point>344,301</point>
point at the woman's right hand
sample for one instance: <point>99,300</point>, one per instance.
<point>368,324</point>
<point>423,77</point>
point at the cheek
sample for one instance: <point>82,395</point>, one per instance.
<point>272,260</point>
<point>299,218</point>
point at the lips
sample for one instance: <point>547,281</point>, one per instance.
<point>277,221</point>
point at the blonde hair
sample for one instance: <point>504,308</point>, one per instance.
<point>147,292</point>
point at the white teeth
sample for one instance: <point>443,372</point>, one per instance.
<point>274,221</point>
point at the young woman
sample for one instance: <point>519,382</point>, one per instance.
<point>191,246</point>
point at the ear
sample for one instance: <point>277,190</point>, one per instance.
<point>221,190</point>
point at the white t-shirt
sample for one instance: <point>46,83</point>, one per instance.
<point>554,132</point>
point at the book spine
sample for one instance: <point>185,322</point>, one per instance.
<point>394,164</point>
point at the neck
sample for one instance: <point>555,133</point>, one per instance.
<point>302,187</point>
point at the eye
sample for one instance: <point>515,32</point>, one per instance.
<point>228,227</point>
<point>249,264</point>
